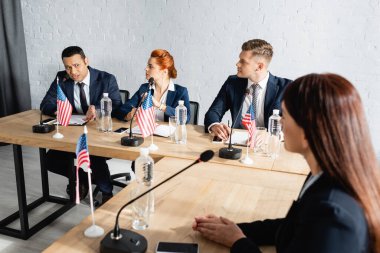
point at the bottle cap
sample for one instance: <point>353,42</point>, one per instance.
<point>144,151</point>
<point>181,102</point>
<point>105,94</point>
<point>276,112</point>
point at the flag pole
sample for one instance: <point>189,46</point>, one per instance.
<point>153,147</point>
<point>93,230</point>
<point>247,159</point>
<point>57,135</point>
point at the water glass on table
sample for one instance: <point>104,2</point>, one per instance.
<point>141,213</point>
<point>98,119</point>
<point>172,127</point>
<point>260,141</point>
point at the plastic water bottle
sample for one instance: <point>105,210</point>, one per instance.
<point>181,118</point>
<point>274,129</point>
<point>144,165</point>
<point>142,208</point>
<point>144,173</point>
<point>106,109</point>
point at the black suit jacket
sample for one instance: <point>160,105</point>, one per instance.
<point>100,82</point>
<point>326,219</point>
<point>232,93</point>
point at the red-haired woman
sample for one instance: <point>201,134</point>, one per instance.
<point>166,94</point>
<point>338,208</point>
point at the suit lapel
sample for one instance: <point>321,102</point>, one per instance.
<point>94,86</point>
<point>270,95</point>
<point>170,97</point>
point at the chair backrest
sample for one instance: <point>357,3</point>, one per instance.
<point>194,108</point>
<point>124,95</point>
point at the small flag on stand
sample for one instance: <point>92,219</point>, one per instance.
<point>64,107</point>
<point>249,123</point>
<point>83,160</point>
<point>146,116</point>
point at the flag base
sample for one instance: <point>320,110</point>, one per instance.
<point>153,147</point>
<point>94,231</point>
<point>230,153</point>
<point>58,135</point>
<point>133,141</point>
<point>246,160</point>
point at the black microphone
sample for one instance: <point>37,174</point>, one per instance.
<point>43,128</point>
<point>134,141</point>
<point>126,241</point>
<point>231,152</point>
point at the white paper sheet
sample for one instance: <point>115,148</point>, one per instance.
<point>239,138</point>
<point>77,120</point>
<point>161,130</point>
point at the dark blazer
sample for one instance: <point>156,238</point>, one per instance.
<point>179,93</point>
<point>100,82</point>
<point>326,219</point>
<point>231,95</point>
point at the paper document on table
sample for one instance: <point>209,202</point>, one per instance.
<point>161,130</point>
<point>77,120</point>
<point>239,138</point>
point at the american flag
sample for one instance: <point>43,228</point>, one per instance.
<point>83,160</point>
<point>83,157</point>
<point>146,116</point>
<point>64,107</point>
<point>249,123</point>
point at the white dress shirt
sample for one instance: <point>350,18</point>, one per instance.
<point>160,114</point>
<point>86,88</point>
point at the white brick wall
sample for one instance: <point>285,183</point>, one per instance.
<point>340,36</point>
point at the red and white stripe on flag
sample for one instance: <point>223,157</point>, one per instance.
<point>146,121</point>
<point>146,116</point>
<point>64,107</point>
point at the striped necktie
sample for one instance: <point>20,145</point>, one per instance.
<point>255,87</point>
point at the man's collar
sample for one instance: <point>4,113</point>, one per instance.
<point>263,83</point>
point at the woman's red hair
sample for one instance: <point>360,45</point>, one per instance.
<point>165,60</point>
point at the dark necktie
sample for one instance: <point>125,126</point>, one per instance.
<point>83,101</point>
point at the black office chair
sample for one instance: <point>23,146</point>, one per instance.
<point>124,97</point>
<point>194,108</point>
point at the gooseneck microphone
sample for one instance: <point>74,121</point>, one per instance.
<point>231,152</point>
<point>126,241</point>
<point>43,128</point>
<point>134,141</point>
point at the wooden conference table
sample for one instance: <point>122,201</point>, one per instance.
<point>17,130</point>
<point>239,193</point>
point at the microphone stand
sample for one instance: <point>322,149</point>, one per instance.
<point>134,242</point>
<point>230,152</point>
<point>135,141</point>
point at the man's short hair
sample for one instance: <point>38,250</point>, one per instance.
<point>72,50</point>
<point>259,47</point>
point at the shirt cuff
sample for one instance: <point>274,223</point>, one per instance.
<point>213,124</point>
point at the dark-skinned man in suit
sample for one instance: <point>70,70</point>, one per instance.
<point>84,87</point>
